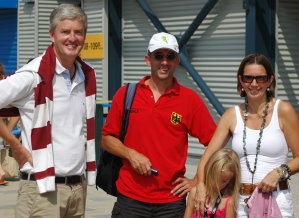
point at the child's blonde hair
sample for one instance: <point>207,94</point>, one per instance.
<point>224,159</point>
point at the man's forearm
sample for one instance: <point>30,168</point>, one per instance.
<point>8,136</point>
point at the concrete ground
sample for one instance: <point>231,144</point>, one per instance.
<point>99,204</point>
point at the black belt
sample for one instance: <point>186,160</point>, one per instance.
<point>58,179</point>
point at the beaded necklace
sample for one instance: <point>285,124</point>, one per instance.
<point>258,144</point>
<point>213,212</point>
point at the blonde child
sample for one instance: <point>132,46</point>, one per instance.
<point>222,186</point>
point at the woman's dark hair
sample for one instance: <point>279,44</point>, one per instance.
<point>260,60</point>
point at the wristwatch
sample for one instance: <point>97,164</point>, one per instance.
<point>285,171</point>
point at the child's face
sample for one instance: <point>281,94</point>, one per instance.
<point>225,178</point>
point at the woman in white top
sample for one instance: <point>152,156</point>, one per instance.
<point>263,130</point>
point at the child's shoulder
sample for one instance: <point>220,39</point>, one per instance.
<point>229,207</point>
<point>226,201</point>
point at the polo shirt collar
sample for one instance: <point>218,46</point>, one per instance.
<point>59,69</point>
<point>174,90</point>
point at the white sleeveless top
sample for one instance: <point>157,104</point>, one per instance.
<point>273,149</point>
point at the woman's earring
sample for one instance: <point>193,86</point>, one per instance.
<point>243,93</point>
<point>268,89</point>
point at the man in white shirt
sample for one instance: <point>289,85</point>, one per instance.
<point>55,96</point>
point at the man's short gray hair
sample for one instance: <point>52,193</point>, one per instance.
<point>67,11</point>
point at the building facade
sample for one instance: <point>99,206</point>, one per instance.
<point>214,36</point>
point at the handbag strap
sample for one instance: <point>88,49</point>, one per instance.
<point>129,97</point>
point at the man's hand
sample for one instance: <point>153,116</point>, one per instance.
<point>22,155</point>
<point>140,163</point>
<point>183,186</point>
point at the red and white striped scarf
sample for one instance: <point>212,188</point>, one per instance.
<point>42,151</point>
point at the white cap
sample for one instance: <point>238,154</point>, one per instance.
<point>163,40</point>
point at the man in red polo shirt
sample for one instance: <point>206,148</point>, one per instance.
<point>163,113</point>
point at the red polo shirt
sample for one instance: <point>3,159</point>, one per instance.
<point>159,130</point>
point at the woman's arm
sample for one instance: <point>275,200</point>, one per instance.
<point>221,136</point>
<point>289,124</point>
<point>190,204</point>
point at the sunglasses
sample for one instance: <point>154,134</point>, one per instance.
<point>169,57</point>
<point>258,79</point>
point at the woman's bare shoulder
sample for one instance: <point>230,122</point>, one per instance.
<point>229,114</point>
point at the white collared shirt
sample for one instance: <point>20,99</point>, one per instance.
<point>69,114</point>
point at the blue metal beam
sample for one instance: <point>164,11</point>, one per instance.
<point>151,15</point>
<point>197,21</point>
<point>184,60</point>
<point>8,3</point>
<point>260,27</point>
<point>202,85</point>
<point>114,45</point>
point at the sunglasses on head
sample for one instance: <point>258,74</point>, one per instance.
<point>169,57</point>
<point>258,79</point>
